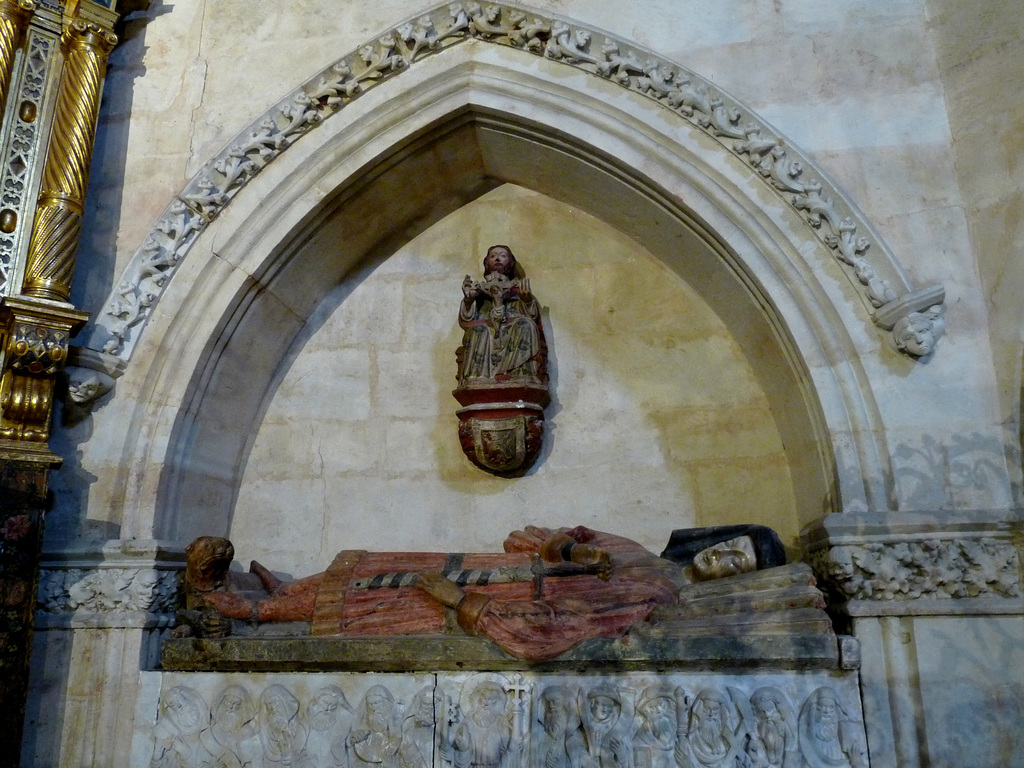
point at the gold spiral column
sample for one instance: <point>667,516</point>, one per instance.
<point>58,221</point>
<point>14,17</point>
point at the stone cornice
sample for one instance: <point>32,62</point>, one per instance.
<point>794,179</point>
<point>124,584</point>
<point>922,572</point>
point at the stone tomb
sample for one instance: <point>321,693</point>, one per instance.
<point>512,719</point>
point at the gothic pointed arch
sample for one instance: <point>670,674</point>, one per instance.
<point>639,144</point>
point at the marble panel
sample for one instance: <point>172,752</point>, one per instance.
<point>971,696</point>
<point>323,720</point>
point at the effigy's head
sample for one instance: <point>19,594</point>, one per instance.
<point>207,560</point>
<point>500,259</point>
<point>727,558</point>
<point>725,550</point>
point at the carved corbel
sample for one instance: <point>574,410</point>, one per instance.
<point>90,375</point>
<point>57,225</point>
<point>904,569</point>
<point>35,352</point>
<point>915,320</point>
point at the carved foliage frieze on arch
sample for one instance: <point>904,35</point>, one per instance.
<point>914,317</point>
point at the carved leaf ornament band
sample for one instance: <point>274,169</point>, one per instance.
<point>925,569</point>
<point>108,595</point>
<point>914,318</point>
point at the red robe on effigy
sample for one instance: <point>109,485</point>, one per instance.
<point>571,608</point>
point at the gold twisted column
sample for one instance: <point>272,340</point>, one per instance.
<point>55,231</point>
<point>14,17</point>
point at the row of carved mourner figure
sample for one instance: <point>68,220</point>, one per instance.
<point>572,724</point>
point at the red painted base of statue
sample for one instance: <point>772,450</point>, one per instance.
<point>503,381</point>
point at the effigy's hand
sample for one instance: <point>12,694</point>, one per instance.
<point>587,554</point>
<point>229,604</point>
<point>441,589</point>
<point>469,289</point>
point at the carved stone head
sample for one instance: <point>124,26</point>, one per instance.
<point>207,560</point>
<point>554,713</point>
<point>914,335</point>
<point>604,703</point>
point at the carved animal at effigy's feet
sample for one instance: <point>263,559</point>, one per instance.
<point>547,592</point>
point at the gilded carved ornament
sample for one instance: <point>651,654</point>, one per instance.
<point>35,352</point>
<point>695,100</point>
<point>18,166</point>
<point>39,321</point>
<point>14,17</point>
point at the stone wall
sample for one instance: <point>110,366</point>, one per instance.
<point>831,86</point>
<point>978,55</point>
<point>888,98</point>
<point>657,421</point>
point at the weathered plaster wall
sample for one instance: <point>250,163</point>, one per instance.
<point>863,88</point>
<point>861,93</point>
<point>657,420</point>
<point>980,55</point>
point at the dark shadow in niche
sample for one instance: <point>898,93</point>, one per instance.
<point>72,483</point>
<point>555,406</point>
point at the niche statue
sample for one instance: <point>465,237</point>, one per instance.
<point>547,592</point>
<point>502,367</point>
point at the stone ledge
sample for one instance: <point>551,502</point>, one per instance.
<point>45,622</point>
<point>439,652</point>
<point>970,606</point>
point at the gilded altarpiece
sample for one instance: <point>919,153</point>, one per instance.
<point>52,64</point>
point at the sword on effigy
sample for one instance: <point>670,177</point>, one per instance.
<point>536,572</point>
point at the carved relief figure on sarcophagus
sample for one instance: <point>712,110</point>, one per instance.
<point>502,367</point>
